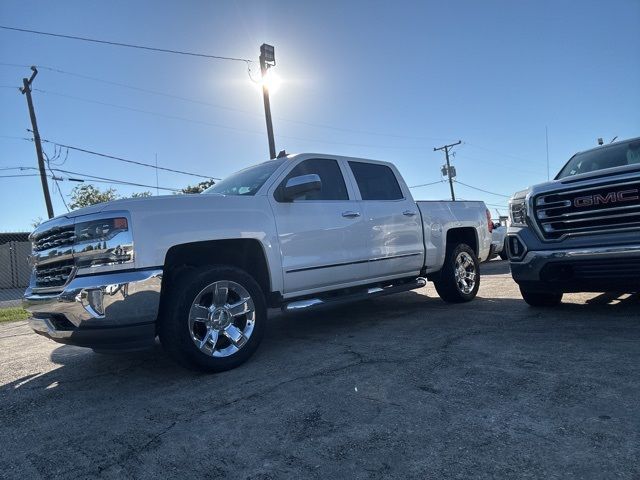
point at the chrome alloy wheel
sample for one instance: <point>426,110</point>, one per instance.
<point>465,273</point>
<point>222,318</point>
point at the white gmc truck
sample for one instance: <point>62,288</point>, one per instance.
<point>199,271</point>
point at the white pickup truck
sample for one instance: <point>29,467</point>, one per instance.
<point>200,271</point>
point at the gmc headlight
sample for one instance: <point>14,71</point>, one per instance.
<point>518,212</point>
<point>103,244</point>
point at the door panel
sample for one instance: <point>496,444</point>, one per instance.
<point>319,245</point>
<point>395,239</point>
<point>392,221</point>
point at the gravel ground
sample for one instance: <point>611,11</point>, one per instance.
<point>398,387</point>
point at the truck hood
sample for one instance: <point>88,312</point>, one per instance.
<point>584,177</point>
<point>159,203</point>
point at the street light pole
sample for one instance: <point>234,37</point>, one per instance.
<point>267,60</point>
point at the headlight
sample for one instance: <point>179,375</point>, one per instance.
<point>103,244</point>
<point>100,229</point>
<point>518,212</point>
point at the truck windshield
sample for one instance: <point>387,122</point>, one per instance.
<point>247,181</point>
<point>610,156</point>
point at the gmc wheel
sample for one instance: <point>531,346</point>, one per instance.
<point>214,318</point>
<point>541,299</point>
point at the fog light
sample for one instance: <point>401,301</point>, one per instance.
<point>516,248</point>
<point>92,301</point>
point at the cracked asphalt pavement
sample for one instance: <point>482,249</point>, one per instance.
<point>403,386</point>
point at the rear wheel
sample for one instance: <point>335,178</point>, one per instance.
<point>214,318</point>
<point>541,299</point>
<point>459,279</point>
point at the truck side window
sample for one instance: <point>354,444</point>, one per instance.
<point>376,182</point>
<point>333,186</point>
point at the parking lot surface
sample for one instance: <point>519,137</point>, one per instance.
<point>403,386</point>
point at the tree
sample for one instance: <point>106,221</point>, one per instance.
<point>141,194</point>
<point>85,195</point>
<point>199,188</point>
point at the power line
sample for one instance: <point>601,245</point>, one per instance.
<point>140,89</point>
<point>202,122</point>
<point>55,180</point>
<point>21,175</point>
<point>482,190</point>
<point>128,45</point>
<point>120,159</point>
<point>213,105</point>
<point>426,184</point>
<point>112,180</point>
<point>94,178</point>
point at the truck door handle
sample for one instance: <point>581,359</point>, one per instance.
<point>409,213</point>
<point>350,214</point>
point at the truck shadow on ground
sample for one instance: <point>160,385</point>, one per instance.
<point>78,368</point>
<point>495,267</point>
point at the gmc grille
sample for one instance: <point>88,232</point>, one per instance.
<point>600,209</point>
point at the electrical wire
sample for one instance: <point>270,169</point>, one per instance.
<point>202,122</point>
<point>222,107</point>
<point>427,184</point>
<point>55,180</point>
<point>115,181</point>
<point>482,190</point>
<point>21,175</point>
<point>128,45</point>
<point>120,159</point>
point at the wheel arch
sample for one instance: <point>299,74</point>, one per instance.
<point>467,235</point>
<point>244,253</point>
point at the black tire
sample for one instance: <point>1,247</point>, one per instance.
<point>446,283</point>
<point>541,299</point>
<point>173,327</point>
<point>504,254</point>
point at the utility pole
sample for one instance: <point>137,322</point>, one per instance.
<point>449,172</point>
<point>267,60</point>
<point>26,90</point>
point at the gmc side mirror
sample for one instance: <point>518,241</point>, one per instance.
<point>297,186</point>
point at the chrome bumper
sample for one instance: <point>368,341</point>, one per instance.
<point>529,268</point>
<point>100,310</point>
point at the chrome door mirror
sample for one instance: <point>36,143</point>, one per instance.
<point>297,186</point>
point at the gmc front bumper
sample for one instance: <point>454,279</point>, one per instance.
<point>109,311</point>
<point>597,269</point>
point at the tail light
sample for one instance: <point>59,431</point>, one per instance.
<point>489,221</point>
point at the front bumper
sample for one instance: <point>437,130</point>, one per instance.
<point>596,269</point>
<point>109,311</point>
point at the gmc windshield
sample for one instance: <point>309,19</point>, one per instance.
<point>610,156</point>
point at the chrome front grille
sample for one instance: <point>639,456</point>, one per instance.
<point>55,274</point>
<point>613,207</point>
<point>56,237</point>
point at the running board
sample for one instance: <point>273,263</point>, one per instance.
<point>372,292</point>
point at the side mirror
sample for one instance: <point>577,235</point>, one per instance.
<point>297,186</point>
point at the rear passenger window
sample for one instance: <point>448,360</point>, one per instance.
<point>333,186</point>
<point>376,182</point>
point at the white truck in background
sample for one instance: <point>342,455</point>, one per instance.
<point>199,271</point>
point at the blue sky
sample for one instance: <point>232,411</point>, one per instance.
<point>392,79</point>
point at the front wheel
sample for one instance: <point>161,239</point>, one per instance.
<point>541,299</point>
<point>214,318</point>
<point>459,279</point>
